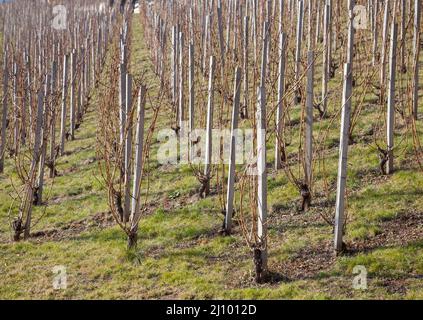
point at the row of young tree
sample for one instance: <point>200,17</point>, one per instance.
<point>53,64</point>
<point>53,56</point>
<point>271,51</point>
<point>219,64</point>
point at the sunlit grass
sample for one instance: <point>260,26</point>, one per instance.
<point>180,253</point>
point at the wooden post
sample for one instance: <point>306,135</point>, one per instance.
<point>64,97</point>
<point>232,161</point>
<point>325,67</point>
<point>318,19</point>
<point>416,55</point>
<point>269,31</point>
<point>281,15</point>
<point>235,21</point>
<point>228,26</point>
<point>128,148</point>
<point>255,31</point>
<point>22,114</point>
<point>79,101</point>
<point>375,31</point>
<point>163,40</point>
<point>403,35</point>
<point>92,64</point>
<point>310,42</point>
<point>122,101</point>
<point>263,71</point>
<point>343,159</point>
<point>26,206</point>
<point>84,77</point>
<point>291,15</point>
<point>173,65</point>
<point>4,112</point>
<point>391,99</point>
<point>205,44</point>
<point>300,16</point>
<point>15,108</point>
<point>72,94</point>
<point>191,24</point>
<point>209,138</point>
<point>279,112</point>
<point>27,102</point>
<point>309,120</point>
<point>44,132</point>
<point>262,175</point>
<point>350,43</point>
<point>329,40</point>
<point>138,165</point>
<point>53,122</point>
<point>177,71</point>
<point>221,39</point>
<point>191,88</point>
<point>246,60</point>
<point>181,110</point>
<point>383,54</point>
<point>86,72</point>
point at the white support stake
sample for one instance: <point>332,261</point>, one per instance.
<point>343,159</point>
<point>232,163</point>
<point>391,99</point>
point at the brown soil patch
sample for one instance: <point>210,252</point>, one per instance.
<point>307,263</point>
<point>370,177</point>
<point>395,286</point>
<point>73,229</point>
<point>403,230</point>
<point>59,200</point>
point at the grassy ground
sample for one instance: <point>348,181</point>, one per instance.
<point>181,254</point>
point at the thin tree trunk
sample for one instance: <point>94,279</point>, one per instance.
<point>26,206</point>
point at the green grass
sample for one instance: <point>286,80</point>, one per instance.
<point>180,253</point>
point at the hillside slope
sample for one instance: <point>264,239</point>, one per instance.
<point>182,255</point>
